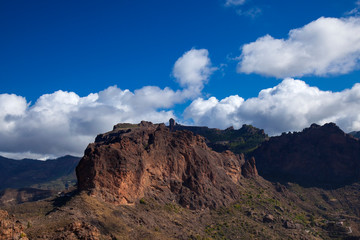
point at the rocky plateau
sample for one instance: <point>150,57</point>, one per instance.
<point>150,160</point>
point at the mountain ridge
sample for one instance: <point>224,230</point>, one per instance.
<point>37,173</point>
<point>317,156</point>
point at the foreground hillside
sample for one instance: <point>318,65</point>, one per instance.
<point>149,181</point>
<point>263,211</point>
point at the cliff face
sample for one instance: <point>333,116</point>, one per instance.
<point>148,160</point>
<point>317,156</point>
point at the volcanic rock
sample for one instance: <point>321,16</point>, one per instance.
<point>10,228</point>
<point>78,230</point>
<point>318,156</point>
<point>249,168</point>
<point>148,160</point>
<point>268,218</point>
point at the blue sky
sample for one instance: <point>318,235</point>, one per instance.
<point>72,69</point>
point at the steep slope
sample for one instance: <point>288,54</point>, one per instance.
<point>53,174</point>
<point>148,160</point>
<point>318,156</point>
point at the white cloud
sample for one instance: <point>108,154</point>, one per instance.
<point>11,108</point>
<point>234,2</point>
<point>193,70</point>
<point>215,113</point>
<point>291,105</point>
<point>64,123</point>
<point>322,47</point>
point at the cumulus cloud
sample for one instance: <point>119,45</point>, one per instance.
<point>64,123</point>
<point>12,107</point>
<point>234,2</point>
<point>215,113</point>
<point>322,47</point>
<point>290,106</point>
<point>192,70</point>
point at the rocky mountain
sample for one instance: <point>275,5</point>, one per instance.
<point>56,174</point>
<point>243,140</point>
<point>318,156</point>
<point>148,160</point>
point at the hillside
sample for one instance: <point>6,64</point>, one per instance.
<point>55,174</point>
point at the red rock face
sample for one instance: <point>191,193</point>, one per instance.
<point>147,160</point>
<point>249,168</point>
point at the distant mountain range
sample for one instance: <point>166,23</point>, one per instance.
<point>355,134</point>
<point>56,174</point>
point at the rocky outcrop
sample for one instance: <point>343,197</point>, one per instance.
<point>77,230</point>
<point>10,228</point>
<point>249,169</point>
<point>318,156</point>
<point>149,160</point>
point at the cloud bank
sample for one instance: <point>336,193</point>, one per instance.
<point>64,123</point>
<point>322,47</point>
<point>290,106</point>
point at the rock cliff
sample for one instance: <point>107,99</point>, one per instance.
<point>318,156</point>
<point>149,160</point>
